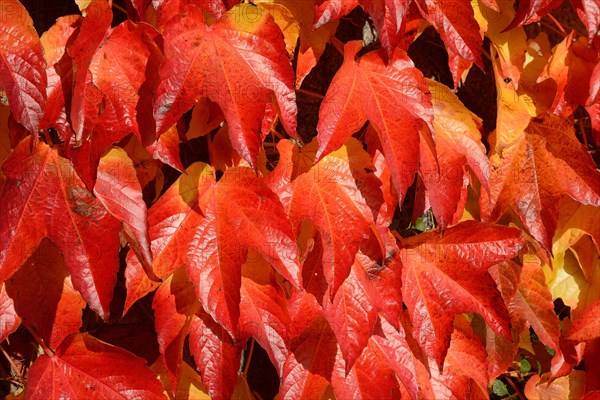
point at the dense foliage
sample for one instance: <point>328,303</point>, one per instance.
<point>308,199</point>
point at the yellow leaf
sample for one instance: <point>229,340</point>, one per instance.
<point>571,386</point>
<point>190,385</point>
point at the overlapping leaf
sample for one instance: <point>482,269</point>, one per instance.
<point>445,276</point>
<point>85,367</point>
<point>240,64</point>
<point>362,90</point>
<point>44,197</point>
<point>22,67</point>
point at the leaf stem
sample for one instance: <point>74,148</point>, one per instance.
<point>118,7</point>
<point>38,339</point>
<point>249,358</point>
<point>310,93</point>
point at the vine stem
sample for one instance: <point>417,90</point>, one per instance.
<point>118,7</point>
<point>511,383</point>
<point>249,358</point>
<point>310,93</point>
<point>12,363</point>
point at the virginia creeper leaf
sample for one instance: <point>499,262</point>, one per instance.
<point>240,64</point>
<point>308,368</point>
<point>217,357</point>
<point>22,66</point>
<point>393,97</point>
<point>118,189</point>
<point>338,193</point>
<point>525,175</point>
<point>85,367</point>
<point>44,197</point>
<point>442,277</point>
<point>44,295</point>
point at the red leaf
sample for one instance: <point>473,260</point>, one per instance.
<point>454,21</point>
<point>532,303</point>
<point>92,34</point>
<point>394,98</point>
<point>307,371</point>
<point>119,190</point>
<point>44,197</point>
<point>370,377</point>
<point>395,348</point>
<point>264,313</point>
<point>524,176</point>
<point>117,92</point>
<point>339,196</point>
<point>216,355</point>
<point>446,276</point>
<point>464,366</point>
<point>44,295</point>
<point>174,306</point>
<point>589,13</point>
<point>241,213</point>
<point>587,326</point>
<point>226,63</point>
<point>60,73</point>
<point>22,65</point>
<point>84,367</point>
<point>352,314</point>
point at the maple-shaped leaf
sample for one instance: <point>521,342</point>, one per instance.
<point>22,66</point>
<point>9,320</point>
<point>532,174</point>
<point>308,368</point>
<point>394,97</point>
<point>445,276</point>
<point>458,145</point>
<point>59,70</point>
<point>168,9</point>
<point>119,190</point>
<point>241,213</point>
<point>340,196</point>
<point>216,355</point>
<point>44,295</point>
<point>264,312</point>
<point>85,367</point>
<point>455,22</point>
<point>209,226</point>
<point>44,197</point>
<point>239,63</point>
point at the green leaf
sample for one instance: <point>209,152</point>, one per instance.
<point>499,388</point>
<point>525,366</point>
